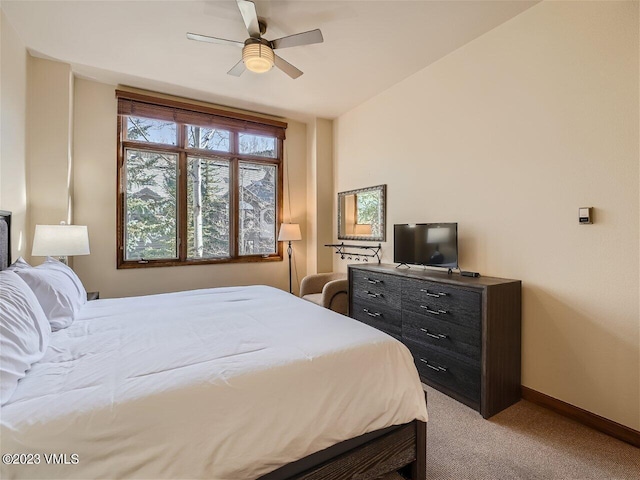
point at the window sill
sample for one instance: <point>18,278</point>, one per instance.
<point>209,261</point>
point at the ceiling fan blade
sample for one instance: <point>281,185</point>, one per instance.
<point>305,38</point>
<point>250,17</point>
<point>238,69</point>
<point>221,41</point>
<point>287,68</point>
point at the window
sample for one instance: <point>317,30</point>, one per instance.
<point>151,209</point>
<point>257,208</point>
<point>196,185</point>
<point>208,138</point>
<point>151,131</point>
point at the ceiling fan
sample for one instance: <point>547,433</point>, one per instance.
<point>257,52</point>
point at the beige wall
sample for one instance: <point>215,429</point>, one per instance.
<point>508,136</point>
<point>95,206</point>
<point>324,193</point>
<point>311,227</point>
<point>13,143</point>
<point>295,193</point>
<point>49,143</point>
<point>319,195</point>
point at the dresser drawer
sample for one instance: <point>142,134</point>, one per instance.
<point>377,289</point>
<point>443,369</point>
<point>446,303</point>
<point>385,319</point>
<point>427,331</point>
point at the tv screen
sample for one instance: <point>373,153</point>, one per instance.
<point>429,244</point>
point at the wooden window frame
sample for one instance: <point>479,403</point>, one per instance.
<point>159,108</point>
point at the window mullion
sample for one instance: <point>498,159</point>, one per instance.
<point>233,139</point>
<point>182,207</point>
<point>181,192</point>
<point>120,196</point>
<point>234,214</point>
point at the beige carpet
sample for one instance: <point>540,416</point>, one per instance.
<point>522,442</point>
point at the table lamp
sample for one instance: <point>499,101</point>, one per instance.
<point>61,241</point>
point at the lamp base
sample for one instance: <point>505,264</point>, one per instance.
<point>289,251</point>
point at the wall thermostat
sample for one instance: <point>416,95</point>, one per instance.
<point>584,215</point>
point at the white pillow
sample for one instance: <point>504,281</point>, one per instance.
<point>19,264</point>
<point>24,329</point>
<point>56,292</point>
<point>54,264</point>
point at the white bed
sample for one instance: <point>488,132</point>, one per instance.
<point>245,380</point>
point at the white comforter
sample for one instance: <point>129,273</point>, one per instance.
<point>226,383</point>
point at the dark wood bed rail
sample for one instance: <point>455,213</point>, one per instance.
<point>400,448</point>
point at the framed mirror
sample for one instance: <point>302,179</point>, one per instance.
<point>362,214</point>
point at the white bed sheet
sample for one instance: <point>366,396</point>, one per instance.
<point>226,383</point>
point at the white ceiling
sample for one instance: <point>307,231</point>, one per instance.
<point>369,45</point>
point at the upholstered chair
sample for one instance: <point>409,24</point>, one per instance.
<point>329,290</point>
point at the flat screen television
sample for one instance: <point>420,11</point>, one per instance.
<point>429,244</point>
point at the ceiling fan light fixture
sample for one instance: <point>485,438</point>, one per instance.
<point>257,57</point>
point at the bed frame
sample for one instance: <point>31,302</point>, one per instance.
<point>400,448</point>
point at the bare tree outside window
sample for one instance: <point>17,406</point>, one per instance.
<point>207,208</point>
<point>257,145</point>
<point>208,138</point>
<point>152,131</point>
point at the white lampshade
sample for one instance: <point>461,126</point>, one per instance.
<point>60,241</point>
<point>289,232</point>
<point>257,57</point>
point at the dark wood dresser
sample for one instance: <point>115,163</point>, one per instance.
<point>464,333</point>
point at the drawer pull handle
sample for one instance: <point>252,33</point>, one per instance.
<point>434,312</point>
<point>371,314</point>
<point>371,294</point>
<point>372,280</point>
<point>433,367</point>
<point>435,295</point>
<point>438,336</point>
